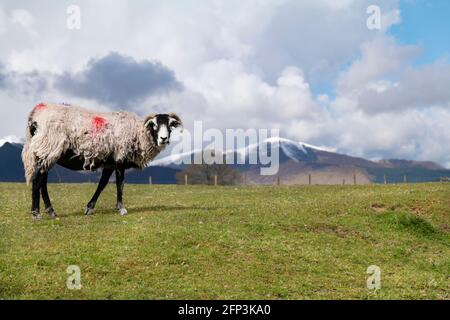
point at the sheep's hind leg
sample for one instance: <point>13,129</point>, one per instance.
<point>48,205</point>
<point>106,174</point>
<point>120,178</point>
<point>36,195</point>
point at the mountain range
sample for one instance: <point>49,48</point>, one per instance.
<point>11,170</point>
<point>299,163</point>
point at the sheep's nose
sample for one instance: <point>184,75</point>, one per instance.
<point>163,139</point>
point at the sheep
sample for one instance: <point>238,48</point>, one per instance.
<point>80,139</point>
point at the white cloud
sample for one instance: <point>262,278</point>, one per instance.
<point>422,87</point>
<point>390,18</point>
<point>23,18</point>
<point>10,139</point>
<point>379,57</point>
<point>248,64</point>
<point>2,21</point>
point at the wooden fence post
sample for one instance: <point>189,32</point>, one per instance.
<point>150,180</point>
<point>185,179</point>
<point>385,179</point>
<point>309,178</point>
<point>244,178</point>
<point>405,180</point>
<point>354,178</point>
<point>59,176</point>
<point>215,180</point>
<point>278,180</point>
<point>343,181</point>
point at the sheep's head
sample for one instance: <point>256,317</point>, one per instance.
<point>160,126</point>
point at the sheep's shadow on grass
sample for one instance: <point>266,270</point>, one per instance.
<point>147,209</point>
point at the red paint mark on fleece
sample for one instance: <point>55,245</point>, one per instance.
<point>39,106</point>
<point>98,124</point>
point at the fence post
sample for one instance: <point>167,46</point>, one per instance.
<point>309,178</point>
<point>215,180</point>
<point>150,180</point>
<point>185,179</point>
<point>59,176</point>
<point>405,180</point>
<point>385,179</point>
<point>244,178</point>
<point>343,181</point>
<point>354,178</point>
<point>278,180</point>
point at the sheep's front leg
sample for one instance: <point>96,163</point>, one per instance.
<point>120,178</point>
<point>106,174</point>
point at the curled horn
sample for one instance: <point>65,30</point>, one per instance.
<point>148,119</point>
<point>177,118</point>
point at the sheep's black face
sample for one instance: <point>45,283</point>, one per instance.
<point>160,127</point>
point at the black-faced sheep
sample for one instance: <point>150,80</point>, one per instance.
<point>79,139</point>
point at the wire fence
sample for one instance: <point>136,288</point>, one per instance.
<point>247,178</point>
<point>310,179</point>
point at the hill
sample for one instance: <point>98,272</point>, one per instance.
<point>12,170</point>
<point>298,163</point>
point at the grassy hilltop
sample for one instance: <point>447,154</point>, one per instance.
<point>202,242</point>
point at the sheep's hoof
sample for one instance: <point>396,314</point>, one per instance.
<point>36,215</point>
<point>51,212</point>
<point>123,212</point>
<point>89,211</point>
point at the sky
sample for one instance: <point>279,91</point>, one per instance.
<point>313,69</point>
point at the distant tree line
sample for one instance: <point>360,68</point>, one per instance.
<point>205,174</point>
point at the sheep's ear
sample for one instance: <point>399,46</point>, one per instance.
<point>175,121</point>
<point>150,120</point>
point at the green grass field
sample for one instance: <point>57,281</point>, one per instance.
<point>205,242</point>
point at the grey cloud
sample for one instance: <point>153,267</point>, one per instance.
<point>118,80</point>
<point>2,80</point>
<point>317,36</point>
<point>28,83</point>
<point>417,88</point>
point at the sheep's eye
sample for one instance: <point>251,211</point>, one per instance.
<point>173,124</point>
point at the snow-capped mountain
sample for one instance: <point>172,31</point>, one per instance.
<point>290,149</point>
<point>299,162</point>
<point>10,139</point>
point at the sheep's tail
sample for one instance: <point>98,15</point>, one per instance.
<point>45,142</point>
<point>28,157</point>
